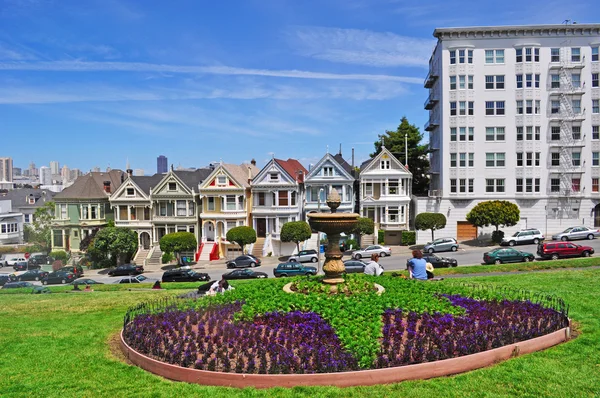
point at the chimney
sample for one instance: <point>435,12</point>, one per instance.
<point>253,162</point>
<point>107,186</point>
<point>352,158</point>
<point>300,177</point>
<point>310,166</point>
<point>250,173</point>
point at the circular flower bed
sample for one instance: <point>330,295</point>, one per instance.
<point>259,329</point>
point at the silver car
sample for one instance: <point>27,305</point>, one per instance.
<point>441,245</point>
<point>382,251</point>
<point>304,256</point>
<point>579,232</point>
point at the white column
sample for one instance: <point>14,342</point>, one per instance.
<point>128,213</point>
<point>386,214</point>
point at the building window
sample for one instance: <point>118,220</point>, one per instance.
<point>453,160</point>
<point>452,57</point>
<point>470,82</point>
<point>172,186</point>
<point>555,55</point>
<point>537,158</point>
<point>181,208</point>
<point>453,108</point>
<point>538,107</point>
<point>575,54</point>
<point>519,53</point>
<point>462,136</point>
<point>462,108</point>
<point>58,238</point>
<point>594,54</point>
<point>576,80</point>
<point>462,159</point>
<point>554,81</point>
<point>576,158</point>
<point>494,107</point>
<point>519,185</point>
<point>555,185</point>
<point>595,158</point>
<point>130,192</point>
<point>221,180</point>
<point>471,133</point>
<point>211,201</point>
<point>594,79</point>
<point>283,198</point>
<point>529,80</point>
<point>230,202</point>
<point>576,132</point>
<point>519,107</point>
<point>536,184</point>
<point>471,159</point>
<point>494,184</point>
<point>576,104</point>
<point>555,159</point>
<point>273,176</point>
<point>452,82</point>
<point>537,80</point>
<point>529,107</point>
<point>462,185</point>
<point>519,133</point>
<point>94,212</point>
<point>495,159</point>
<point>494,134</point>
<point>453,185</point>
<point>393,186</point>
<point>471,185</point>
<point>529,133</point>
<point>555,133</point>
<point>595,183</point>
<point>462,82</point>
<point>519,159</point>
<point>554,106</point>
<point>596,132</point>
<point>519,81</point>
<point>595,106</point>
<point>494,56</point>
<point>494,82</point>
<point>385,164</point>
<point>452,133</point>
<point>369,189</point>
<point>576,184</point>
<point>529,185</point>
<point>471,108</point>
<point>328,171</point>
<point>529,159</point>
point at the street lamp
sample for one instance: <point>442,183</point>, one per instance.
<point>319,233</point>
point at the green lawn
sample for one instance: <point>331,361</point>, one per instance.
<point>56,345</point>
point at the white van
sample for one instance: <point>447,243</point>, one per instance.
<point>12,259</point>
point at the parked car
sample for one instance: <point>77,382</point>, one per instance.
<point>77,270</point>
<point>16,285</point>
<point>293,268</point>
<point>439,262</point>
<point>441,245</point>
<point>37,260</point>
<point>382,251</point>
<point>31,275</point>
<point>304,256</point>
<point>244,274</point>
<point>573,233</point>
<point>86,281</point>
<point>354,266</point>
<point>126,269</point>
<point>20,266</point>
<point>57,277</point>
<point>5,278</point>
<point>184,274</point>
<point>134,279</point>
<point>506,255</point>
<point>12,259</point>
<point>555,250</point>
<point>523,236</point>
<point>247,260</point>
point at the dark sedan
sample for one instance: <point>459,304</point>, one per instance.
<point>86,281</point>
<point>31,275</point>
<point>247,260</point>
<point>57,277</point>
<point>4,278</point>
<point>184,275</point>
<point>20,266</point>
<point>438,261</point>
<point>126,269</point>
<point>501,256</point>
<point>244,274</point>
<point>16,285</point>
<point>354,266</point>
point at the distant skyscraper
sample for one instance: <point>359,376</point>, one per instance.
<point>65,173</point>
<point>73,174</point>
<point>162,164</point>
<point>138,172</point>
<point>17,172</point>
<point>45,176</point>
<point>6,169</point>
<point>54,167</point>
<point>96,169</point>
<point>33,171</point>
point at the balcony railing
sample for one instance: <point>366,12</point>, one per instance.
<point>432,76</point>
<point>435,193</point>
<point>565,192</point>
<point>431,101</point>
<point>431,125</point>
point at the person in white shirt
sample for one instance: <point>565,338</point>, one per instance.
<point>373,267</point>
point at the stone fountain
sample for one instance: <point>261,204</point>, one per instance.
<point>333,224</point>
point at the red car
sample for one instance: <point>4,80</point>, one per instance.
<point>556,250</point>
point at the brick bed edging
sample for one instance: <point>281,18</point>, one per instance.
<point>427,370</point>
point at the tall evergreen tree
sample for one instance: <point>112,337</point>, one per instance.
<point>418,159</point>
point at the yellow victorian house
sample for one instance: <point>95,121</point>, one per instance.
<point>226,203</point>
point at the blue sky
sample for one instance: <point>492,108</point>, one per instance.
<point>95,82</point>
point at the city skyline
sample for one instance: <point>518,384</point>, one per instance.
<point>287,78</point>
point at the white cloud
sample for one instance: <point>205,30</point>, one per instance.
<point>361,47</point>
<point>9,54</point>
<point>82,66</point>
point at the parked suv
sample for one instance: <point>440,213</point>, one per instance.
<point>77,270</point>
<point>304,256</point>
<point>12,259</point>
<point>556,250</point>
<point>293,269</point>
<point>524,236</point>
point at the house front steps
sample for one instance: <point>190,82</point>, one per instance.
<point>257,249</point>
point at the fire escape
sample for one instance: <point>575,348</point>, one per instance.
<point>432,126</point>
<point>565,164</point>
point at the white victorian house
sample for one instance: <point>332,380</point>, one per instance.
<point>385,194</point>
<point>331,172</point>
<point>226,203</point>
<point>277,197</point>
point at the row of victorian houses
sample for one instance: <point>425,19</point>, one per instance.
<point>210,201</point>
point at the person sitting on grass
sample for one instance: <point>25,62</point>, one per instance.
<point>373,267</point>
<point>417,266</point>
<point>76,288</point>
<point>157,285</point>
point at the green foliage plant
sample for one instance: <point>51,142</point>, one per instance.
<point>381,236</point>
<point>242,236</point>
<point>113,246</point>
<point>432,221</point>
<point>39,232</point>
<point>409,238</point>
<point>295,231</point>
<point>364,226</point>
<point>59,255</point>
<point>167,257</point>
<point>497,236</point>
<point>178,242</point>
<point>494,212</point>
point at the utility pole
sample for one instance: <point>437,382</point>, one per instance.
<point>406,150</point>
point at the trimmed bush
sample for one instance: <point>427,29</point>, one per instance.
<point>59,255</point>
<point>409,238</point>
<point>380,237</point>
<point>167,257</point>
<point>242,235</point>
<point>497,236</point>
<point>352,242</point>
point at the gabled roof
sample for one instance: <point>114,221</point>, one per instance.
<point>242,172</point>
<point>20,197</point>
<point>292,167</point>
<point>345,165</point>
<point>367,163</point>
<point>193,178</point>
<point>147,182</point>
<point>91,185</point>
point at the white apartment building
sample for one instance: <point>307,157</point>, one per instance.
<point>45,175</point>
<point>514,115</point>
<point>6,169</point>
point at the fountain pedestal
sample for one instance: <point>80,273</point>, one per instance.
<point>333,224</point>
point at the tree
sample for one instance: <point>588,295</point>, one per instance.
<point>496,213</point>
<point>418,161</point>
<point>113,246</point>
<point>295,231</point>
<point>432,221</point>
<point>364,226</point>
<point>178,242</point>
<point>242,236</point>
<point>85,242</point>
<point>39,232</point>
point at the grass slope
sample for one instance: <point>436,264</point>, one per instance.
<point>56,345</point>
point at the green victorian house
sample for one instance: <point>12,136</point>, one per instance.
<point>83,207</point>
